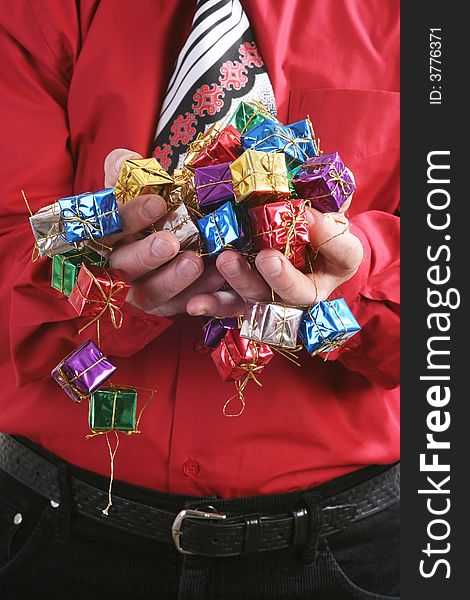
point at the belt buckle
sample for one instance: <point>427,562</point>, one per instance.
<point>177,527</point>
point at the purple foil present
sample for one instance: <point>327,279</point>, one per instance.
<point>83,371</point>
<point>325,181</point>
<point>213,185</point>
<point>215,329</point>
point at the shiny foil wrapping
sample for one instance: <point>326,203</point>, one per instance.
<point>83,371</point>
<point>234,355</point>
<point>296,141</point>
<point>271,323</point>
<point>220,229</point>
<point>142,176</point>
<point>327,325</point>
<point>179,222</point>
<point>215,329</point>
<point>213,185</point>
<point>326,182</point>
<point>98,290</point>
<point>183,191</point>
<point>260,177</point>
<point>201,141</point>
<point>48,230</point>
<point>66,267</point>
<point>282,226</point>
<point>225,147</point>
<point>248,115</point>
<point>90,216</point>
<point>113,409</point>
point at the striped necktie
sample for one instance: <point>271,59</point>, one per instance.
<point>218,67</point>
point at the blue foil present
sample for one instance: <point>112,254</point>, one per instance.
<point>327,325</point>
<point>90,216</point>
<point>221,229</point>
<point>296,140</point>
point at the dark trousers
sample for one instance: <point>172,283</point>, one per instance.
<point>55,554</point>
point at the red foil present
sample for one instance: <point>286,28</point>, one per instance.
<point>226,147</point>
<point>282,226</point>
<point>98,291</point>
<point>234,357</point>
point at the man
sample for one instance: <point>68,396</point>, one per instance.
<point>299,511</point>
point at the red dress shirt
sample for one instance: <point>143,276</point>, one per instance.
<point>79,78</point>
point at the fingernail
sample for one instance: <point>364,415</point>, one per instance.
<point>186,268</point>
<point>271,266</point>
<point>232,268</point>
<point>152,208</point>
<point>118,164</point>
<point>161,248</point>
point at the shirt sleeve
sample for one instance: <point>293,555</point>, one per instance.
<point>40,44</point>
<point>373,295</point>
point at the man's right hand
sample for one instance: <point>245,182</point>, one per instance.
<point>162,282</point>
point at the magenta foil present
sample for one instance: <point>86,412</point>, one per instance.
<point>325,181</point>
<point>213,185</point>
<point>83,371</point>
<point>215,329</point>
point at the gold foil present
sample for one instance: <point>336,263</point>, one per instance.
<point>179,222</point>
<point>142,176</point>
<point>48,229</point>
<point>184,190</point>
<point>272,323</point>
<point>260,177</point>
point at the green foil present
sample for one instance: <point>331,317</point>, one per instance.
<point>291,173</point>
<point>248,115</point>
<point>113,409</point>
<point>65,268</point>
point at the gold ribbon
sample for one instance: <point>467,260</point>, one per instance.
<point>281,134</point>
<point>274,179</point>
<point>347,187</point>
<point>88,227</point>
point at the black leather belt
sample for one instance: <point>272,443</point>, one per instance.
<point>203,531</point>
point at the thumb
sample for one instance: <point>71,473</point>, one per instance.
<point>113,163</point>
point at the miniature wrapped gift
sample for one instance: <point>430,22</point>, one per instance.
<point>326,182</point>
<point>66,267</point>
<point>296,140</point>
<point>140,176</point>
<point>225,147</point>
<point>48,230</point>
<point>271,323</point>
<point>202,140</point>
<point>179,222</point>
<point>90,216</point>
<point>282,226</point>
<point>213,185</point>
<point>215,329</point>
<point>260,177</point>
<point>248,115</point>
<point>99,292</point>
<point>183,191</point>
<point>113,409</point>
<point>234,357</point>
<point>221,229</point>
<point>327,325</point>
<point>83,371</point>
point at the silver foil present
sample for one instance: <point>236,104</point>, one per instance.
<point>48,230</point>
<point>271,323</point>
<point>179,222</point>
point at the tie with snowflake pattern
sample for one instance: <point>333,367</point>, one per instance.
<point>218,67</point>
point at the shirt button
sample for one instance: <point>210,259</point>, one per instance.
<point>190,468</point>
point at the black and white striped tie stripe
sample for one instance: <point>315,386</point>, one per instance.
<point>218,29</point>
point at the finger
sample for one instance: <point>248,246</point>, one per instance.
<point>163,285</point>
<point>141,257</point>
<point>210,281</point>
<point>290,284</point>
<point>137,215</point>
<point>221,304</point>
<point>113,163</point>
<point>245,280</point>
<point>331,236</point>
